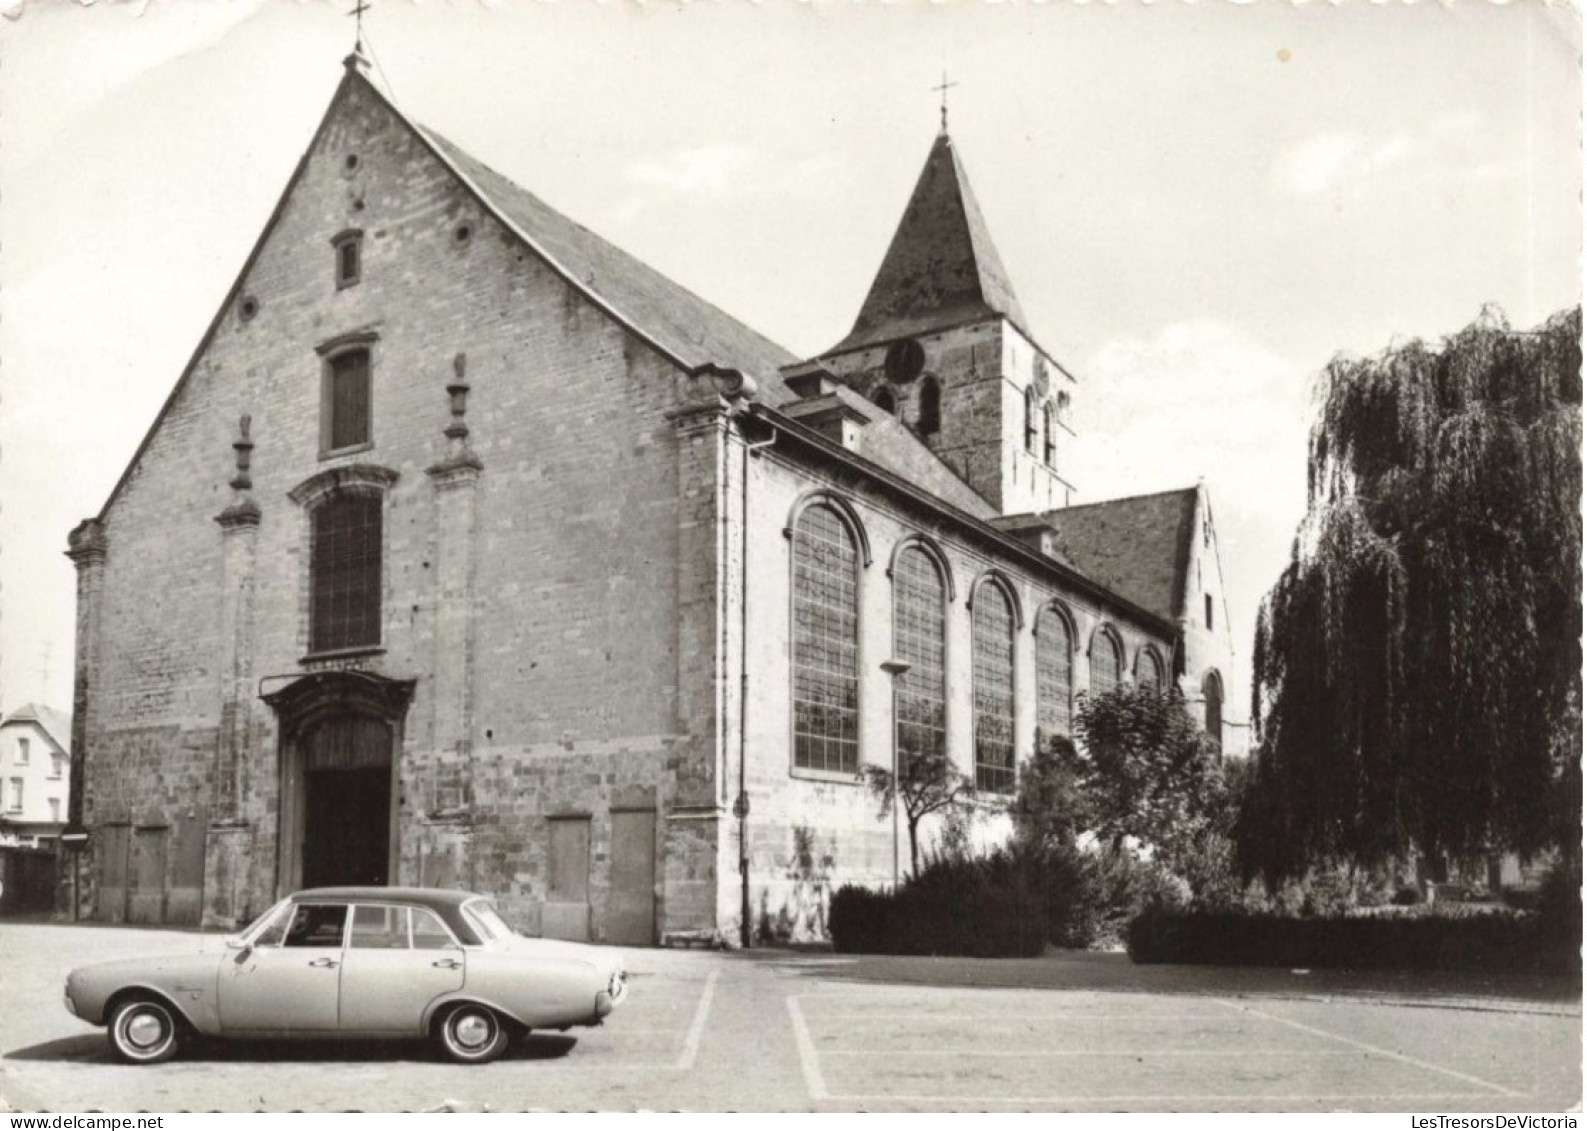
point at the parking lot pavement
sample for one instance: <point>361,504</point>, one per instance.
<point>779,1031</point>
<point>886,1048</point>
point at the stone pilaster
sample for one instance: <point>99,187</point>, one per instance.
<point>456,482</point>
<point>228,840</point>
<point>87,547</point>
<point>694,820</point>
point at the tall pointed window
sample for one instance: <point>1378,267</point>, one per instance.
<point>1212,692</point>
<point>1107,663</point>
<point>883,397</point>
<point>345,572</point>
<point>992,640</point>
<point>1054,673</point>
<point>930,419</point>
<point>825,643</point>
<point>1148,670</point>
<point>1049,438</point>
<point>1031,410</point>
<point>919,640</point>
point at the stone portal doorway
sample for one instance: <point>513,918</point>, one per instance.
<point>340,737</point>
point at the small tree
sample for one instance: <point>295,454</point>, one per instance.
<point>1148,772</point>
<point>928,783</point>
<point>1049,811</point>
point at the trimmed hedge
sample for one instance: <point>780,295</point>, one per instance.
<point>1492,942</point>
<point>1009,904</point>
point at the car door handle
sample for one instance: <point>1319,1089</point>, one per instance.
<point>447,964</point>
<point>327,962</point>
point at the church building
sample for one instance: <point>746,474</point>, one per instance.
<point>469,551</point>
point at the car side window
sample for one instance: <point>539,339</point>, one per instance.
<point>379,928</point>
<point>317,924</point>
<point>429,933</point>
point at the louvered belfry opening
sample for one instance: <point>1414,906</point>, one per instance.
<point>346,572</point>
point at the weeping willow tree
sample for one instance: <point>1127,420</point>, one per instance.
<point>1417,668</point>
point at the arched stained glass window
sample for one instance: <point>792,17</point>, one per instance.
<point>825,643</point>
<point>1107,663</point>
<point>1030,421</point>
<point>1054,673</point>
<point>883,397</point>
<point>919,640</point>
<point>1148,670</point>
<point>1049,438</point>
<point>992,633</point>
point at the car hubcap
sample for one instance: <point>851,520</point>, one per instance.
<point>144,1030</point>
<point>472,1030</point>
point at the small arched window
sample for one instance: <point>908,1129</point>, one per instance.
<point>1107,663</point>
<point>883,397</point>
<point>920,640</point>
<point>349,247</point>
<point>1212,694</point>
<point>1054,673</point>
<point>825,643</point>
<point>992,671</point>
<point>930,419</point>
<point>344,572</point>
<point>1049,438</point>
<point>1148,670</point>
<point>1031,410</point>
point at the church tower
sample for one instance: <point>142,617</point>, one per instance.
<point>942,343</point>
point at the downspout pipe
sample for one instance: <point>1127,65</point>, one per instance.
<point>741,803</point>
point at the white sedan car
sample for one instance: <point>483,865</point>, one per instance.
<point>356,963</point>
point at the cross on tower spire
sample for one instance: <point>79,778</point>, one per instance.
<point>359,8</point>
<point>943,87</point>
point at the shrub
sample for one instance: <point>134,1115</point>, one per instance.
<point>1437,939</point>
<point>1010,903</point>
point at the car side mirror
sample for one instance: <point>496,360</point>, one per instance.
<point>235,942</point>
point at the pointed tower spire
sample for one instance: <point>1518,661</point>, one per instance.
<point>941,269</point>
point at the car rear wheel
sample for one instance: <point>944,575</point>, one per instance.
<point>472,1034</point>
<point>144,1031</point>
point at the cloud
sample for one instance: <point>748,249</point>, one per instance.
<point>722,171</point>
<point>1451,147</point>
<point>710,169</point>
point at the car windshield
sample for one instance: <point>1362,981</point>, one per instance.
<point>487,920</point>
<point>262,918</point>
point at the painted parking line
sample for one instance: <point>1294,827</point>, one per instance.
<point>691,1045</point>
<point>1374,1049</point>
<point>809,1060</point>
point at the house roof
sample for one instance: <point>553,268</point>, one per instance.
<point>55,724</point>
<point>1138,546</point>
<point>941,269</point>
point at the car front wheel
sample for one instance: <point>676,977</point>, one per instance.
<point>144,1031</point>
<point>472,1034</point>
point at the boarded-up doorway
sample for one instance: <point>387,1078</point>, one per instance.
<point>146,896</point>
<point>567,908</point>
<point>114,847</point>
<point>631,911</point>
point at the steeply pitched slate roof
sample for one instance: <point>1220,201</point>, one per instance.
<point>1139,547</point>
<point>49,720</point>
<point>941,269</point>
<point>692,330</point>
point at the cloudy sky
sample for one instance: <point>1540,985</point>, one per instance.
<point>1199,204</point>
